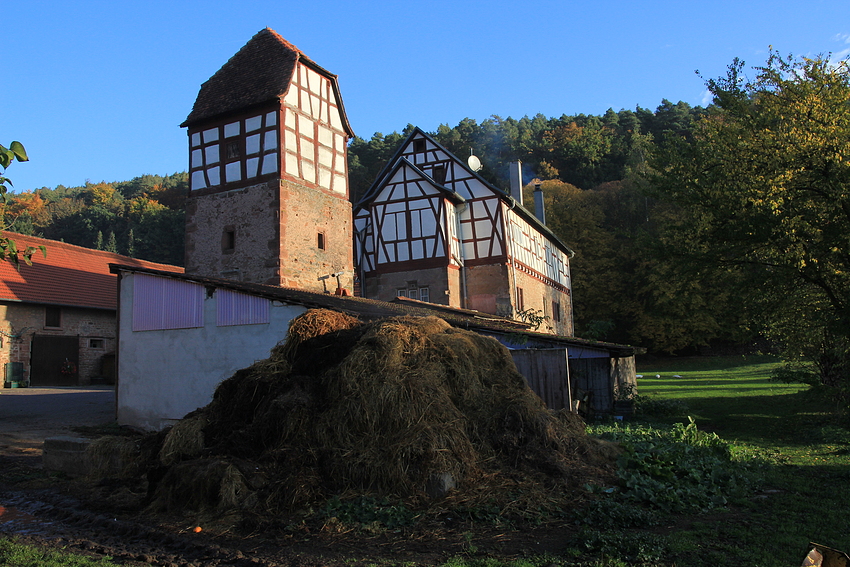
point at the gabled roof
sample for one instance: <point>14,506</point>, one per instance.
<point>367,309</point>
<point>449,193</point>
<point>70,276</point>
<point>257,74</point>
<point>390,167</point>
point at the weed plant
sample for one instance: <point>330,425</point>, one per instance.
<point>678,469</point>
<point>369,511</point>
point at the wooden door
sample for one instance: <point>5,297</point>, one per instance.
<point>47,361</point>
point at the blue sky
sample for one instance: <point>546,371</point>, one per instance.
<point>96,90</point>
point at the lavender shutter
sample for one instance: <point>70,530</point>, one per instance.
<point>164,303</point>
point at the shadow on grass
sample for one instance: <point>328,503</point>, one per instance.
<point>788,419</point>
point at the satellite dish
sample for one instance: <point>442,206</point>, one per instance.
<point>474,163</point>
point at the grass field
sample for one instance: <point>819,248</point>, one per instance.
<point>805,492</point>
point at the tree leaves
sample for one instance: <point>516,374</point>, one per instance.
<point>763,190</point>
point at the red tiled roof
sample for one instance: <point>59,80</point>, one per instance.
<point>69,276</point>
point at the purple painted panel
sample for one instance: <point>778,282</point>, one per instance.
<point>233,308</point>
<point>163,303</point>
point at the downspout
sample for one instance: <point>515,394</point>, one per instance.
<point>119,279</point>
<point>464,294</point>
<point>509,238</point>
<point>361,235</point>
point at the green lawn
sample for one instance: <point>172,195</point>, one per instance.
<point>805,492</point>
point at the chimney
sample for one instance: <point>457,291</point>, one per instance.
<point>539,211</point>
<point>516,180</point>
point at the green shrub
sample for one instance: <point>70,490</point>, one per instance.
<point>366,510</point>
<point>677,469</point>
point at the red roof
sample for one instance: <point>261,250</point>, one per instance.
<point>69,276</point>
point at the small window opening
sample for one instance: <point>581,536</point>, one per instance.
<point>96,343</point>
<point>320,240</point>
<point>424,294</point>
<point>419,145</point>
<point>520,300</point>
<point>232,150</point>
<point>52,317</point>
<point>228,240</point>
<point>439,174</point>
<point>556,311</point>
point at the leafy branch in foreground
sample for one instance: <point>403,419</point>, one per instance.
<point>8,248</point>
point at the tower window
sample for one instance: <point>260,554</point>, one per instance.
<point>232,150</point>
<point>228,240</point>
<point>320,241</point>
<point>419,145</point>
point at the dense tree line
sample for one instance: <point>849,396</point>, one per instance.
<point>142,218</point>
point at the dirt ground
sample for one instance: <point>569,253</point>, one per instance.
<point>108,518</point>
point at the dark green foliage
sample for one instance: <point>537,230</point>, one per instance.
<point>609,514</point>
<point>142,218</point>
<point>633,547</point>
<point>678,469</point>
<point>365,510</point>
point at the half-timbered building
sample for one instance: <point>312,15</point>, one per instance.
<point>268,199</point>
<point>432,229</point>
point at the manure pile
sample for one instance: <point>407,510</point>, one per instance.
<point>388,408</point>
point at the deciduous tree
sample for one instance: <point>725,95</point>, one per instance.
<point>8,249</point>
<point>763,189</point>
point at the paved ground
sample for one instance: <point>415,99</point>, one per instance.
<point>29,415</point>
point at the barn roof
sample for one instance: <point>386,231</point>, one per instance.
<point>257,74</point>
<point>70,276</point>
<point>375,309</point>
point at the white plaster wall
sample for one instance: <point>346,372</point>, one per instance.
<point>163,375</point>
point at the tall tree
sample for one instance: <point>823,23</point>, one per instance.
<point>763,189</point>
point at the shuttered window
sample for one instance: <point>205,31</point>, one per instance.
<point>234,308</point>
<point>165,303</point>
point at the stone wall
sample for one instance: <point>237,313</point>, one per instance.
<point>270,234</point>
<point>306,213</point>
<point>94,329</point>
<point>250,215</point>
<point>438,281</point>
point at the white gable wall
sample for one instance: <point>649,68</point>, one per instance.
<point>165,374</point>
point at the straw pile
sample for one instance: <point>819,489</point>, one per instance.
<point>385,407</point>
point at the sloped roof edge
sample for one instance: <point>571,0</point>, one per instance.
<point>69,276</point>
<point>373,309</point>
<point>259,73</point>
<point>529,217</point>
<point>404,162</point>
